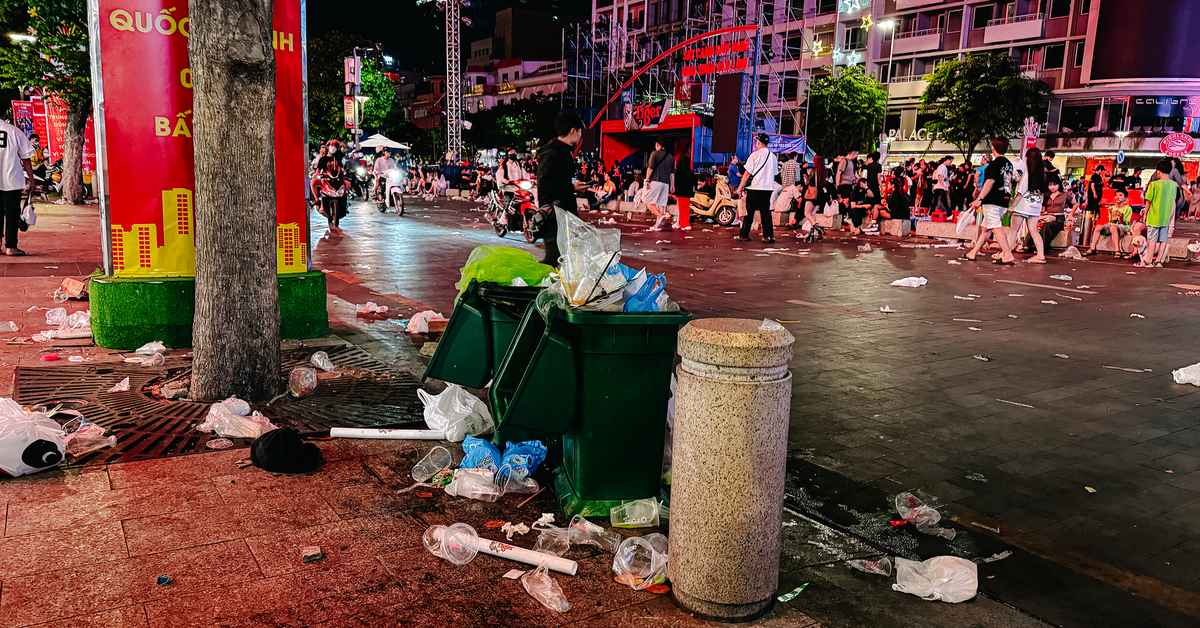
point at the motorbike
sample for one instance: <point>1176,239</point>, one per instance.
<point>513,213</point>
<point>719,206</point>
<point>360,182</point>
<point>393,193</point>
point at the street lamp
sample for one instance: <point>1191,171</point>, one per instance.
<point>890,25</point>
<point>22,37</point>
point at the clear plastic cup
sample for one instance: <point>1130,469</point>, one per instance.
<point>642,513</point>
<point>437,459</point>
<point>454,543</point>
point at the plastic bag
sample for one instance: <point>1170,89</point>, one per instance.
<point>910,282</point>
<point>79,320</point>
<point>543,588</point>
<point>646,298</point>
<point>224,419</point>
<point>509,481</point>
<point>945,578</point>
<point>1071,253</point>
<point>925,518</point>
<point>419,324</point>
<point>84,437</point>
<point>502,265</point>
<point>587,255</point>
<point>302,381</point>
<point>456,413</point>
<point>669,437</point>
<point>321,360</point>
<point>584,532</point>
<point>479,454</point>
<point>29,441</point>
<point>371,308</point>
<point>1187,375</point>
<point>641,561</point>
<point>965,220</point>
<point>150,348</point>
<point>522,458</point>
<point>56,317</point>
<point>155,360</point>
<point>474,484</point>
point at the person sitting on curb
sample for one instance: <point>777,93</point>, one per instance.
<point>1120,219</point>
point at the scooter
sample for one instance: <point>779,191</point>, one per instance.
<point>360,182</point>
<point>513,213</point>
<point>719,206</point>
<point>393,193</point>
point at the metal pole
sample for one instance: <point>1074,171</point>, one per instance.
<point>453,80</point>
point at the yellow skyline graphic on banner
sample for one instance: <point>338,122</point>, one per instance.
<point>138,253</point>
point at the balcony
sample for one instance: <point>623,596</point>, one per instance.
<point>917,41</point>
<point>908,86</point>
<point>908,4</point>
<point>1013,28</point>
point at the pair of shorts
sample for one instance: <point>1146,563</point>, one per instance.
<point>845,190</point>
<point>1106,230</point>
<point>1157,234</point>
<point>657,194</point>
<point>992,215</point>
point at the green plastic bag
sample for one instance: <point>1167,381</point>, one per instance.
<point>501,264</point>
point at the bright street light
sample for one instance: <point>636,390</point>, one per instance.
<point>1121,134</point>
<point>22,37</point>
<point>888,24</point>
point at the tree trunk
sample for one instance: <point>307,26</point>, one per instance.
<point>73,138</point>
<point>236,331</point>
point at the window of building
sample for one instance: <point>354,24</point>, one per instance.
<point>955,22</point>
<point>516,75</point>
<point>1085,6</point>
<point>1053,58</point>
<point>983,15</point>
<point>504,78</point>
<point>1060,8</point>
<point>856,38</point>
<point>826,6</point>
<point>1078,61</point>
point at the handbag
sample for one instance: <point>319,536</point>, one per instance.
<point>28,215</point>
<point>741,207</point>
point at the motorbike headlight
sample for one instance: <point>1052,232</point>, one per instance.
<point>525,185</point>
<point>394,176</point>
<point>361,170</point>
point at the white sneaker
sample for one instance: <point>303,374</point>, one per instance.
<point>687,228</point>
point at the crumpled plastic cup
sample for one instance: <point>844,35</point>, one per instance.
<point>584,532</point>
<point>454,543</point>
<point>543,588</point>
<point>641,513</point>
<point>437,459</point>
<point>641,561</point>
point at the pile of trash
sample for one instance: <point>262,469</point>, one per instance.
<point>232,418</point>
<point>31,441</point>
<point>77,325</point>
<point>592,277</point>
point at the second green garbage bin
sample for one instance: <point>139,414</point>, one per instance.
<point>602,379</point>
<point>477,336</point>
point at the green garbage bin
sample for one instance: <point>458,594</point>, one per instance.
<point>477,336</point>
<point>602,380</point>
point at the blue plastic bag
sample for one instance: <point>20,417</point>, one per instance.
<point>646,298</point>
<point>480,454</point>
<point>523,458</point>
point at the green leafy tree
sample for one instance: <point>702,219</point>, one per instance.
<point>327,84</point>
<point>845,112</point>
<point>981,97</point>
<point>512,124</point>
<point>58,63</point>
<point>381,98</point>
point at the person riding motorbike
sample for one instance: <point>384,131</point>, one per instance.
<point>383,163</point>
<point>334,189</point>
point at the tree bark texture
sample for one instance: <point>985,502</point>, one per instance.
<point>73,137</point>
<point>236,330</point>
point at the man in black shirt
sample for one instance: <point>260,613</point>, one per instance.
<point>874,175</point>
<point>555,174</point>
<point>1095,190</point>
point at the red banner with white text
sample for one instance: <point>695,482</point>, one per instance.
<point>149,159</point>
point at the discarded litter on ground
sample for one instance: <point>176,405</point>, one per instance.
<point>787,597</point>
<point>459,544</point>
<point>544,589</point>
<point>642,558</point>
<point>302,380</point>
<point>232,419</point>
<point>371,308</point>
<point>945,578</point>
<point>436,460</point>
<point>456,413</point>
<point>994,557</point>
<point>881,567</point>
<point>121,386</point>
<point>887,310</point>
<point>1061,355</point>
<point>924,518</point>
<point>909,282</point>
<point>30,442</point>
<point>1136,316</point>
<point>1061,277</point>
<point>1187,375</point>
<point>321,360</point>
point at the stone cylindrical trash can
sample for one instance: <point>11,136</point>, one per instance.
<point>732,404</point>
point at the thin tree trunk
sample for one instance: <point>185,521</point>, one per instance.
<point>73,138</point>
<point>236,332</point>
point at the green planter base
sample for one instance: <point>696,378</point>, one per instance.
<point>128,313</point>
<point>573,504</point>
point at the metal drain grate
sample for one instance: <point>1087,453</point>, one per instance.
<point>148,428</point>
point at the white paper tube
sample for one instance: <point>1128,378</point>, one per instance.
<point>71,335</point>
<point>529,557</point>
<point>357,432</point>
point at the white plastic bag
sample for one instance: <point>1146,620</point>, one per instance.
<point>910,282</point>
<point>150,348</point>
<point>965,220</point>
<point>420,322</point>
<point>224,419</point>
<point>29,215</point>
<point>371,308</point>
<point>321,360</point>
<point>641,561</point>
<point>587,255</point>
<point>1187,375</point>
<point>56,317</point>
<point>945,578</point>
<point>29,441</point>
<point>924,518</point>
<point>1071,253</point>
<point>456,413</point>
<point>543,588</point>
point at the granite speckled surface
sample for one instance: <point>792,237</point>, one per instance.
<point>730,450</point>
